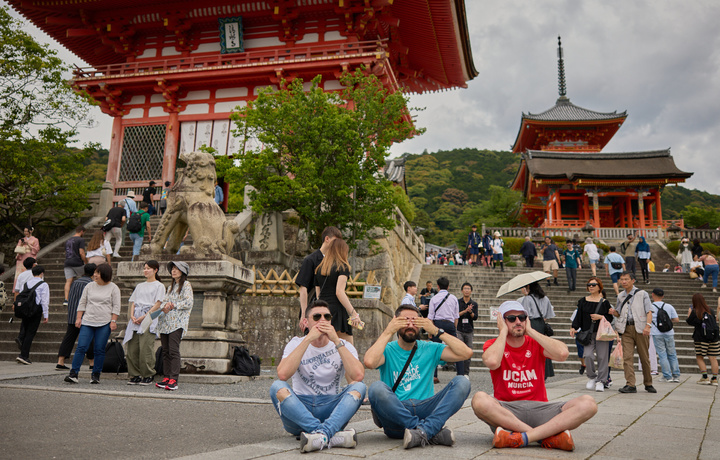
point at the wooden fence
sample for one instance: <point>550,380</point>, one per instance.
<point>283,285</point>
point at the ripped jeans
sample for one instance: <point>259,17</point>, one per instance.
<point>316,413</point>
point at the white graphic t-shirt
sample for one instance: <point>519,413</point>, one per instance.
<point>321,370</point>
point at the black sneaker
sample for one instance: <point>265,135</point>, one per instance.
<point>22,360</point>
<point>171,385</point>
<point>628,389</point>
<point>650,389</point>
<point>65,303</point>
<point>72,378</point>
<point>134,381</point>
<point>95,379</point>
<point>146,381</point>
<point>582,370</point>
<point>61,367</point>
<point>162,384</point>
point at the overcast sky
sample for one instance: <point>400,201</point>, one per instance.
<point>659,60</point>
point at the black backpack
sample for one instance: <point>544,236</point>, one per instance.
<point>26,305</point>
<point>664,323</point>
<point>244,363</point>
<point>709,329</point>
<point>134,224</point>
<point>114,358</point>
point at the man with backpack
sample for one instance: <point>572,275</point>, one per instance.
<point>32,306</point>
<point>113,227</point>
<point>136,226</point>
<point>663,336</point>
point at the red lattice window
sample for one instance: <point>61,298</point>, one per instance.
<point>142,153</point>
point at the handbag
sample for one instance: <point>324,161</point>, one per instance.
<point>21,248</point>
<point>585,337</point>
<point>547,329</point>
<point>605,332</point>
<point>616,357</point>
<point>376,419</point>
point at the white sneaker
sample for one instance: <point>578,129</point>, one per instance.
<point>675,379</point>
<point>591,384</point>
<point>664,380</point>
<point>599,386</point>
<point>346,438</point>
<point>310,442</point>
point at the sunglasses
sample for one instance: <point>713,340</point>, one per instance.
<point>592,284</point>
<point>512,318</point>
<point>318,316</point>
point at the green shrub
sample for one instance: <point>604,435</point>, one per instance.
<point>673,246</point>
<point>512,245</point>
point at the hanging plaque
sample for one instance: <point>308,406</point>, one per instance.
<point>231,35</point>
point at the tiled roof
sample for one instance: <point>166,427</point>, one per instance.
<point>395,170</point>
<point>564,110</point>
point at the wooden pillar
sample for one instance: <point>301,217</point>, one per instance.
<point>172,137</point>
<point>596,210</point>
<point>621,207</point>
<point>113,169</point>
<point>641,209</point>
<point>586,207</point>
<point>558,209</point>
<point>658,210</point>
<point>628,212</point>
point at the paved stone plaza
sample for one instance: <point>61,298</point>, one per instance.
<point>210,421</point>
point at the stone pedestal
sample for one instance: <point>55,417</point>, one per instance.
<point>217,283</point>
<point>269,233</point>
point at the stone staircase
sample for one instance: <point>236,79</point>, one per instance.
<point>486,282</point>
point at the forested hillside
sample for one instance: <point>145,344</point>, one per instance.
<point>452,189</point>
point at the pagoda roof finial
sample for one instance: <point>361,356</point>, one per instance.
<point>561,71</point>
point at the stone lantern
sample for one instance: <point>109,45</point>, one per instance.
<point>588,231</point>
<point>673,232</point>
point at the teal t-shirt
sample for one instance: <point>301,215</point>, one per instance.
<point>571,258</point>
<point>417,383</point>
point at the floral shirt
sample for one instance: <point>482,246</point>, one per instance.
<point>180,316</point>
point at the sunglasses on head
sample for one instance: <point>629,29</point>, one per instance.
<point>512,318</point>
<point>318,316</point>
<point>592,284</point>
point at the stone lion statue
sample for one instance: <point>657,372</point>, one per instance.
<point>191,205</point>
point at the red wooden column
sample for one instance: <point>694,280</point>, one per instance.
<point>586,207</point>
<point>641,209</point>
<point>621,207</point>
<point>113,168</point>
<point>658,210</point>
<point>596,210</point>
<point>628,212</point>
<point>172,137</point>
<point>558,209</point>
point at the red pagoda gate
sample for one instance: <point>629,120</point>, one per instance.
<point>567,181</point>
<point>170,73</point>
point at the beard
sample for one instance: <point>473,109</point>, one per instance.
<point>517,333</point>
<point>408,335</point>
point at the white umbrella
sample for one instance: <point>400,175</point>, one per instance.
<point>521,281</point>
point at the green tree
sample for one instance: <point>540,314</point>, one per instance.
<point>695,216</point>
<point>42,182</point>
<point>322,152</point>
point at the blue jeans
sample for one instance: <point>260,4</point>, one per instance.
<point>665,347</point>
<point>100,335</point>
<point>312,413</point>
<point>428,415</point>
<point>711,270</point>
<point>137,243</point>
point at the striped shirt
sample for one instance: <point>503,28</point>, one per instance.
<point>76,290</point>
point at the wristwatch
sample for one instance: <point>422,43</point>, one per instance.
<point>440,332</point>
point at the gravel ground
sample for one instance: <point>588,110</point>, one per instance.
<point>257,388</point>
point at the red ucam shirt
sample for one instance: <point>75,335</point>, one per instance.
<point>521,375</point>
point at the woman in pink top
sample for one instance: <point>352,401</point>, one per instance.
<point>711,269</point>
<point>30,245</point>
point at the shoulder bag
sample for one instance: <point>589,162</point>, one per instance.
<point>585,337</point>
<point>547,329</point>
<point>376,419</point>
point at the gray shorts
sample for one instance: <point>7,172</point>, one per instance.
<point>533,413</point>
<point>74,272</point>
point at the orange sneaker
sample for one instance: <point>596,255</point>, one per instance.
<point>505,438</point>
<point>562,441</point>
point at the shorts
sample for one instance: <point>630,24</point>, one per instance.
<point>550,265</point>
<point>498,256</point>
<point>615,277</point>
<point>707,349</point>
<point>594,261</point>
<point>473,251</point>
<point>533,413</point>
<point>74,272</point>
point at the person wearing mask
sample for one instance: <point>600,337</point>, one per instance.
<point>539,309</point>
<point>685,255</point>
<point>97,314</point>
<point>468,309</point>
<point>642,253</point>
<point>140,345</point>
<point>30,325</point>
<point>173,322</point>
